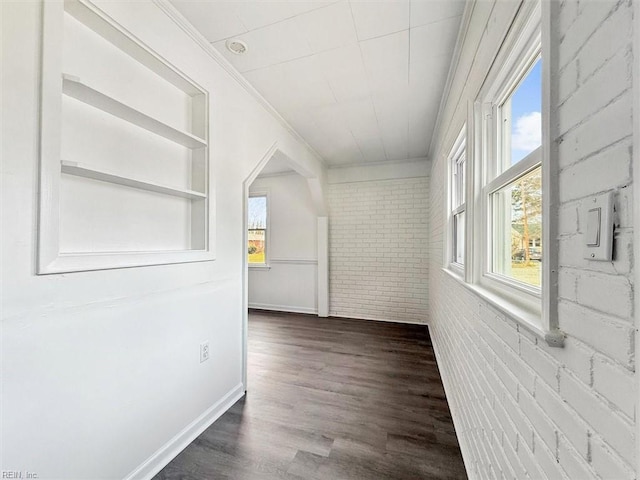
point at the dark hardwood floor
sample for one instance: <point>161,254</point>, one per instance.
<point>331,399</point>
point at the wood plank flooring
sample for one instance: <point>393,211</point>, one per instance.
<point>330,399</point>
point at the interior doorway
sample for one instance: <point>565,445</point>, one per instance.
<point>285,237</point>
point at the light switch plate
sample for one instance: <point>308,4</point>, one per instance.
<point>598,229</point>
<point>594,216</point>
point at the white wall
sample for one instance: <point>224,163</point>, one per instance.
<point>290,282</point>
<point>518,405</point>
<point>101,369</point>
<point>378,246</point>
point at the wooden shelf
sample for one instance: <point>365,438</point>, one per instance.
<point>79,170</point>
<point>73,87</point>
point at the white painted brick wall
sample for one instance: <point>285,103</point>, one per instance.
<point>378,249</point>
<point>522,408</point>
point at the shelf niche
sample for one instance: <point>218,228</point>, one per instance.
<point>156,97</point>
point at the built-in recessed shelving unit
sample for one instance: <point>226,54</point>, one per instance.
<point>87,221</point>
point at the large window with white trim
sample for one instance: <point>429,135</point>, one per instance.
<point>501,183</point>
<point>514,184</point>
<point>509,205</point>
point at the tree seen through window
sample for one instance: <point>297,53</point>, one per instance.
<point>257,225</point>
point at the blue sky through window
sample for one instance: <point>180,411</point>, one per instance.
<point>257,212</point>
<point>526,108</point>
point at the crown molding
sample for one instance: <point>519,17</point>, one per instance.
<point>217,57</point>
<point>380,163</point>
<point>390,170</point>
<point>453,67</point>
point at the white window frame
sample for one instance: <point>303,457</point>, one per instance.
<point>457,155</point>
<point>267,236</point>
<point>508,177</point>
<point>534,308</point>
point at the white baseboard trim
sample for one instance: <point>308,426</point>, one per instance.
<point>283,308</point>
<point>457,420</point>
<point>377,319</point>
<point>160,459</point>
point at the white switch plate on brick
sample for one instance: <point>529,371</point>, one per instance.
<point>598,227</point>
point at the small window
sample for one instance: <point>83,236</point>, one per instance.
<point>458,186</point>
<point>257,235</point>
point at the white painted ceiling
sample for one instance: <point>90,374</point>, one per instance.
<point>360,80</point>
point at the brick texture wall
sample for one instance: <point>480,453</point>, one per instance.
<point>378,249</point>
<point>521,408</point>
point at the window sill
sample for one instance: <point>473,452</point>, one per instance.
<point>527,317</point>
<point>456,269</point>
<point>259,267</point>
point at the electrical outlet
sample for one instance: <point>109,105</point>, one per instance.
<point>204,351</point>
